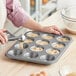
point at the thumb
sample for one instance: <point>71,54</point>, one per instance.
<point>4,30</point>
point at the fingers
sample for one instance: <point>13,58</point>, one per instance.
<point>3,37</point>
<point>39,74</point>
<point>57,29</point>
<point>2,40</point>
<point>54,29</point>
<point>32,75</point>
<point>42,73</point>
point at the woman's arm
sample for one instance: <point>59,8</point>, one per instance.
<point>32,24</point>
<point>20,18</point>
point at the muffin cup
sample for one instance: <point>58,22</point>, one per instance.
<point>33,55</point>
<point>29,40</point>
<point>32,34</point>
<point>52,51</point>
<point>17,52</point>
<point>47,37</point>
<point>42,42</point>
<point>58,45</point>
<point>33,48</point>
<point>63,39</point>
<point>47,57</point>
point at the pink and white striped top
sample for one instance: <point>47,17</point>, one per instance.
<point>16,13</point>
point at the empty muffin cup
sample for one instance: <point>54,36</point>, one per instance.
<point>43,57</point>
<point>32,34</point>
<point>21,45</point>
<point>47,57</point>
<point>33,54</point>
<point>25,46</point>
<point>11,52</point>
<point>47,37</point>
<point>36,48</point>
<point>17,52</point>
<point>50,57</point>
<point>42,42</point>
<point>63,39</point>
<point>27,54</point>
<point>52,51</point>
<point>58,45</point>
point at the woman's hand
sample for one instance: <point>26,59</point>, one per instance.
<point>3,37</point>
<point>52,29</point>
<point>42,73</point>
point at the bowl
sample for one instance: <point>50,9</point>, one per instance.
<point>68,71</point>
<point>69,17</point>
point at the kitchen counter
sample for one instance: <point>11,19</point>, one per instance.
<point>10,67</point>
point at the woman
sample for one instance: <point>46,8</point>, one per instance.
<point>13,10</point>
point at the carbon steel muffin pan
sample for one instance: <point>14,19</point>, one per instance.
<point>39,47</point>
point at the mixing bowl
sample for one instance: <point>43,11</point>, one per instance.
<point>69,17</point>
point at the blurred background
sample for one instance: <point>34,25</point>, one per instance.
<point>39,9</point>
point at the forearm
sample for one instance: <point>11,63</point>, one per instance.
<point>33,25</point>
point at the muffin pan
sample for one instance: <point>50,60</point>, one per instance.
<point>39,47</point>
